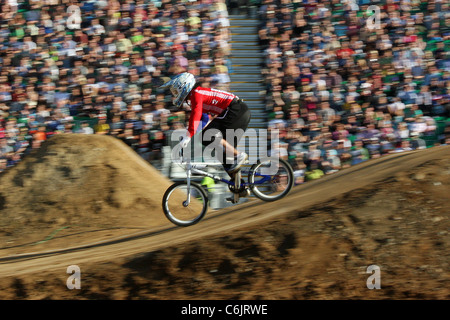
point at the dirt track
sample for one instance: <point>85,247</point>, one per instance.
<point>315,244</point>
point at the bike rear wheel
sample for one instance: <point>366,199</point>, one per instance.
<point>178,211</point>
<point>271,179</point>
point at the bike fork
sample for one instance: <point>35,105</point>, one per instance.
<point>237,185</point>
<point>188,181</point>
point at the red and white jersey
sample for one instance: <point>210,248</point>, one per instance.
<point>206,100</point>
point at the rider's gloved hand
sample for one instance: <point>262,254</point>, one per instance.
<point>185,141</point>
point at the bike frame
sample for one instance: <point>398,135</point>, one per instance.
<point>191,169</point>
<point>217,178</point>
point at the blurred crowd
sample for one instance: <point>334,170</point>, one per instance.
<point>339,92</point>
<point>94,67</point>
<point>342,92</point>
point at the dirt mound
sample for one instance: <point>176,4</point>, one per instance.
<point>77,184</point>
<point>316,243</point>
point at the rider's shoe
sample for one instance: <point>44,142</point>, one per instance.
<point>244,193</point>
<point>240,160</point>
<point>231,199</point>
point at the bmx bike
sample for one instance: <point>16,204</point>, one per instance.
<point>185,203</point>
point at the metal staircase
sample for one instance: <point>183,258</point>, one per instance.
<point>246,78</point>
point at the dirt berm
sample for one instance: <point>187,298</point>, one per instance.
<point>90,201</point>
<point>82,183</point>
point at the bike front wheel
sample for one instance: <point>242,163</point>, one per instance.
<point>271,179</point>
<point>176,208</point>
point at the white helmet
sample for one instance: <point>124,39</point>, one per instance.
<point>180,86</point>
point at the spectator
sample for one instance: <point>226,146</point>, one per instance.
<point>331,163</point>
<point>102,127</point>
<point>404,146</point>
<point>143,147</point>
<point>417,142</point>
<point>359,153</point>
<point>3,164</point>
<point>86,129</point>
<point>314,172</point>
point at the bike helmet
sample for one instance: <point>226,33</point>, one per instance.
<point>180,86</point>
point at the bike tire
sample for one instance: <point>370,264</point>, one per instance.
<point>255,189</point>
<point>176,217</point>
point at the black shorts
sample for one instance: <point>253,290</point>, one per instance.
<point>236,116</point>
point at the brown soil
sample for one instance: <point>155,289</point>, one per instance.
<point>77,185</point>
<point>90,201</point>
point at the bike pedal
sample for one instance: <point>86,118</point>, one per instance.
<point>232,200</point>
<point>199,166</point>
